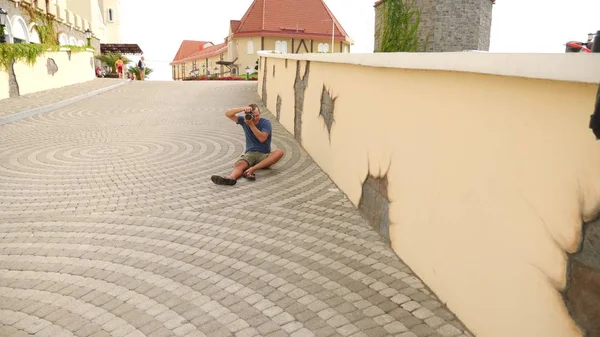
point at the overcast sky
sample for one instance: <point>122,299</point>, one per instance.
<point>518,26</point>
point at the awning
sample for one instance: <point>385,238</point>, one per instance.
<point>120,48</point>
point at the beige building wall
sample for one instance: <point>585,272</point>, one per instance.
<point>112,26</point>
<point>240,50</point>
<point>247,57</point>
<point>61,3</point>
<point>270,44</point>
<point>489,177</point>
<point>82,8</point>
<point>209,63</point>
<point>79,69</point>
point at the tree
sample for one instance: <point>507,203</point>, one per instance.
<point>136,71</point>
<point>401,19</point>
<point>110,58</point>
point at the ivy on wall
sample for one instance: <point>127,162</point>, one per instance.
<point>401,20</point>
<point>45,26</point>
<point>14,52</point>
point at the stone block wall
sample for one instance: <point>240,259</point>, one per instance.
<point>448,25</point>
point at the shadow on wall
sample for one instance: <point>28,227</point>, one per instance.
<point>595,118</point>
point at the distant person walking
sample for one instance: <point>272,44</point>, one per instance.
<point>120,65</point>
<point>142,67</point>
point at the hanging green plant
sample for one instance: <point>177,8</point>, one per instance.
<point>14,52</point>
<point>45,26</point>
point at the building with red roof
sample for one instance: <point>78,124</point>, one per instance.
<point>286,26</point>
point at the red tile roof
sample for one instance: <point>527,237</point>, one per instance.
<point>235,24</point>
<point>203,54</point>
<point>189,47</point>
<point>290,18</point>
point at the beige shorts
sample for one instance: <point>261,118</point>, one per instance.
<point>253,158</point>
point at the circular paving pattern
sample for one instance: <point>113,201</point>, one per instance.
<point>112,227</point>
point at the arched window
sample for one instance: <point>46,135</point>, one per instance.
<point>72,41</point>
<point>281,46</point>
<point>63,40</point>
<point>34,36</point>
<point>323,47</point>
<point>19,30</point>
<point>250,47</point>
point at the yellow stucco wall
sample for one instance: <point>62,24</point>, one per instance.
<point>3,85</point>
<point>489,178</point>
<point>36,78</point>
<point>245,59</point>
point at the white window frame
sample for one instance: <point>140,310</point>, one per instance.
<point>63,40</point>
<point>323,47</point>
<point>110,15</point>
<point>281,46</point>
<point>34,36</point>
<point>19,27</point>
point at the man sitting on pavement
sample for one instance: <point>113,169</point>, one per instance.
<point>258,153</point>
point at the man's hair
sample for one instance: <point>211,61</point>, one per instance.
<point>254,107</point>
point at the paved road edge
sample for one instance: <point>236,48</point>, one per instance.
<point>28,113</point>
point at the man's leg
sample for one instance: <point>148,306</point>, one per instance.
<point>239,168</point>
<point>273,158</point>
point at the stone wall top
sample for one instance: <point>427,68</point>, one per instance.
<point>570,67</point>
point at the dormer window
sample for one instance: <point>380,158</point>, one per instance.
<point>111,15</point>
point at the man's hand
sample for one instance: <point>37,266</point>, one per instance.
<point>250,122</point>
<point>232,113</point>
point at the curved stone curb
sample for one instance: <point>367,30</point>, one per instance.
<point>24,114</point>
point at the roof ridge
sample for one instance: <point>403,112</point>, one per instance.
<point>247,14</point>
<point>335,20</point>
<point>277,16</point>
<point>206,53</point>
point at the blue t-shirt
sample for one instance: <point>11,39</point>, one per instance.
<point>252,143</point>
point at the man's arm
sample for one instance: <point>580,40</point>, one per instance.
<point>261,135</point>
<point>232,113</point>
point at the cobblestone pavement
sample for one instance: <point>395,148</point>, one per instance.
<point>112,227</point>
<point>41,99</point>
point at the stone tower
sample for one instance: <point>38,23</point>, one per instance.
<point>450,25</point>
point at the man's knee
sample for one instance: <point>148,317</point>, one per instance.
<point>242,164</point>
<point>278,154</point>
